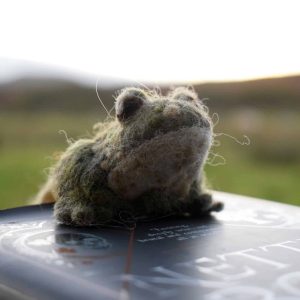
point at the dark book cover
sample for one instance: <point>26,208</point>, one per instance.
<point>251,250</point>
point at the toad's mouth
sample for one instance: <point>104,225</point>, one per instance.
<point>161,162</point>
<point>166,129</point>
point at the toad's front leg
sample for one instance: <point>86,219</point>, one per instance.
<point>201,203</point>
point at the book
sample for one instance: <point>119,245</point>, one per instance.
<point>251,250</point>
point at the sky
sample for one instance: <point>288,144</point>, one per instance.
<point>157,40</point>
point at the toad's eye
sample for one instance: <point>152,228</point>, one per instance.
<point>129,102</point>
<point>184,94</point>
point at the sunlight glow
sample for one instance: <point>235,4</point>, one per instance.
<point>156,40</point>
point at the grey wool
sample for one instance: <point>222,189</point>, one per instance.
<point>147,162</point>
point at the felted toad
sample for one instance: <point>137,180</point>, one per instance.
<point>147,162</point>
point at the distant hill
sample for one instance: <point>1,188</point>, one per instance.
<point>68,96</point>
<point>281,92</point>
<point>51,95</point>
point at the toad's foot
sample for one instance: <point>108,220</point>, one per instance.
<point>204,205</point>
<point>82,213</point>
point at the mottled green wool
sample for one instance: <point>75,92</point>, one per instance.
<point>147,162</point>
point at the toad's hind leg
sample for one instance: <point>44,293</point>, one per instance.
<point>46,193</point>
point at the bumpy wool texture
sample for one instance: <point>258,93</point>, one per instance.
<point>147,162</point>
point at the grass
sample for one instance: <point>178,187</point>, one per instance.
<point>257,179</point>
<point>27,142</point>
<point>21,173</point>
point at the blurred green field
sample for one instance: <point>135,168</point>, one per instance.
<point>268,168</point>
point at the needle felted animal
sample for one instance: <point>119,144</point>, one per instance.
<point>148,161</point>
